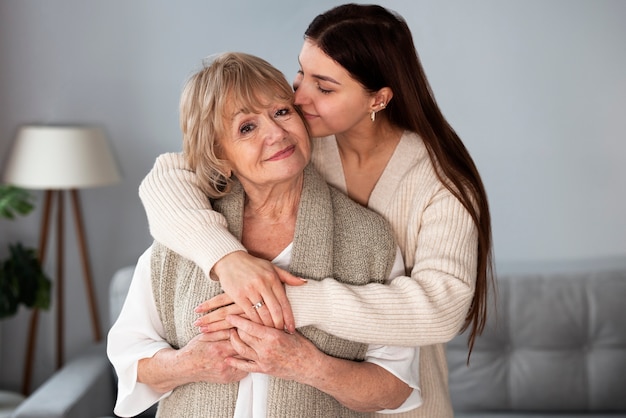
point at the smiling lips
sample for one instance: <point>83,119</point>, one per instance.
<point>282,154</point>
<point>309,116</point>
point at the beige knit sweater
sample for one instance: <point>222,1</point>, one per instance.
<point>437,236</point>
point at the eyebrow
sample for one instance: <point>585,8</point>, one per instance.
<point>319,76</point>
<point>236,113</point>
<point>325,78</point>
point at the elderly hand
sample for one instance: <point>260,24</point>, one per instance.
<point>267,350</point>
<point>204,356</point>
<point>202,359</point>
<point>256,287</point>
<point>359,385</point>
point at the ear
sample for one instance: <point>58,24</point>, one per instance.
<point>227,169</point>
<point>381,99</point>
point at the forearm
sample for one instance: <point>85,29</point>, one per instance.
<point>361,386</point>
<point>403,313</point>
<point>180,215</point>
<point>164,371</point>
<point>427,308</point>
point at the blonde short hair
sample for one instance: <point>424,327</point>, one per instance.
<point>230,80</point>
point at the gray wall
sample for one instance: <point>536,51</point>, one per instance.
<point>537,90</point>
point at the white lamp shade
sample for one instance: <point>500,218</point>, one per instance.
<point>61,157</point>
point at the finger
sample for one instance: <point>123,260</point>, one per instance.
<point>215,326</point>
<point>271,312</point>
<point>215,302</point>
<point>247,366</point>
<point>243,350</point>
<point>255,310</point>
<point>289,322</point>
<point>289,278</point>
<point>246,326</point>
<point>215,336</point>
<point>218,315</point>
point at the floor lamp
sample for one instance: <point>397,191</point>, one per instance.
<point>61,160</point>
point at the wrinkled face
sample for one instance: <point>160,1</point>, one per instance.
<point>265,146</point>
<point>331,100</point>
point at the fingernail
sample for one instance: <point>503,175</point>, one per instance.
<point>303,279</point>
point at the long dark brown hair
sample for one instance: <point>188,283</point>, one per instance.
<point>376,47</point>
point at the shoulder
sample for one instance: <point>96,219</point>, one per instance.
<point>416,169</point>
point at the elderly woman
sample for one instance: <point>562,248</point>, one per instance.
<point>251,151</point>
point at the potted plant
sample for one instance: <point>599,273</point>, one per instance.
<point>22,279</point>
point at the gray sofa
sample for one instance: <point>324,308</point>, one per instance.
<point>556,348</point>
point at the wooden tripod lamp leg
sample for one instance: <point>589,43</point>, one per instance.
<point>60,282</point>
<point>84,256</point>
<point>34,318</point>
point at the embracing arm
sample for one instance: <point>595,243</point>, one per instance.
<point>429,307</point>
<point>180,215</point>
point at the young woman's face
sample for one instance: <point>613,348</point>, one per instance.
<point>268,147</point>
<point>330,99</point>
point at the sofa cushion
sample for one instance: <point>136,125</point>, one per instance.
<point>556,344</point>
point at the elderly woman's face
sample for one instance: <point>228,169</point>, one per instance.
<point>266,148</point>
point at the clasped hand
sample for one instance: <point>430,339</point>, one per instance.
<point>267,350</point>
<point>229,355</point>
<point>247,280</point>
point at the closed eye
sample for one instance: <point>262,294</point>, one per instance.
<point>322,90</point>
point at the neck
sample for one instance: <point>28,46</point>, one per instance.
<point>275,203</point>
<point>269,218</point>
<point>368,141</point>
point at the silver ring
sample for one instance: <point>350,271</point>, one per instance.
<point>258,305</point>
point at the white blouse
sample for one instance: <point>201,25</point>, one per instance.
<point>138,333</point>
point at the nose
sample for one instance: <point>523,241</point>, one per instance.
<point>275,132</point>
<point>299,98</point>
<point>300,94</point>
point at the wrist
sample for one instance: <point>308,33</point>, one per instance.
<point>222,265</point>
<point>318,369</point>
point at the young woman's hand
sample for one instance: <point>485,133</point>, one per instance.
<point>255,286</point>
<point>217,309</point>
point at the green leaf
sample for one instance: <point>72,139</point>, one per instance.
<point>9,293</point>
<point>15,201</point>
<point>23,281</point>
